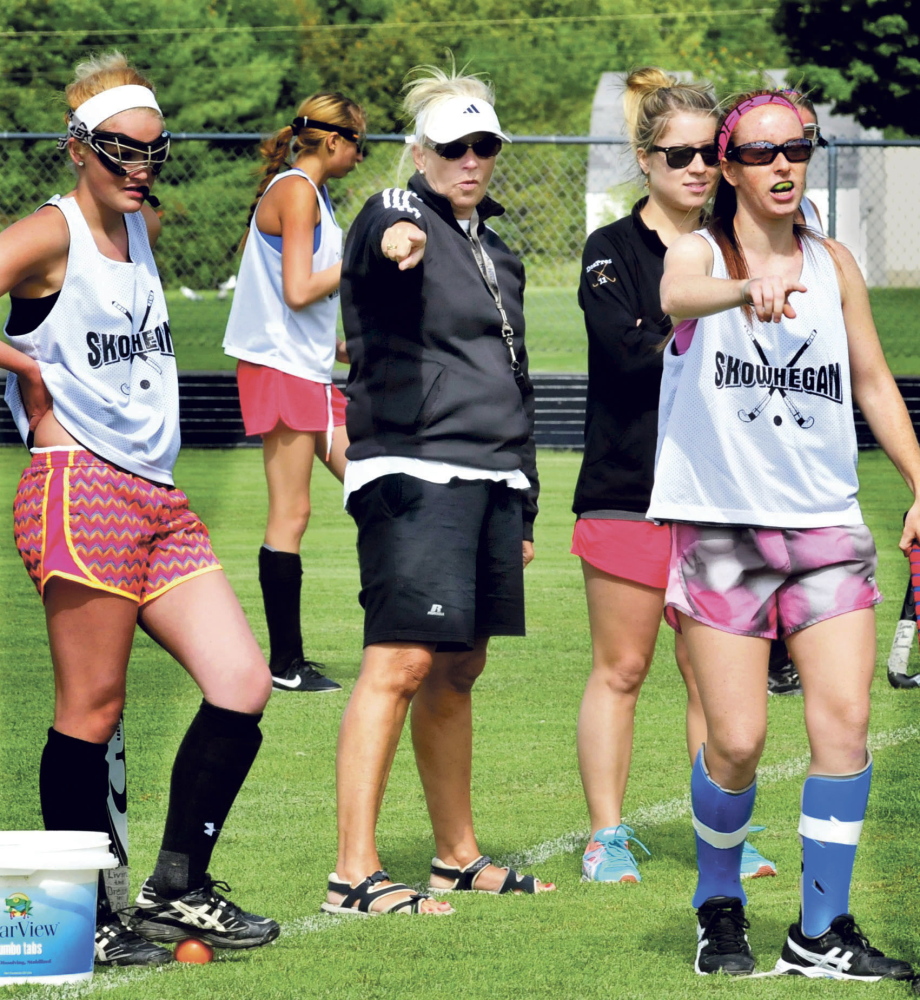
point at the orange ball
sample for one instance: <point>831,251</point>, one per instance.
<point>194,951</point>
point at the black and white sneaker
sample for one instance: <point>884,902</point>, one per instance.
<point>119,945</point>
<point>304,675</point>
<point>842,952</point>
<point>722,945</point>
<point>203,914</point>
<point>782,677</point>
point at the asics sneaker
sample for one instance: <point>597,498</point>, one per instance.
<point>117,944</point>
<point>841,952</point>
<point>722,945</point>
<point>782,677</point>
<point>304,675</point>
<point>608,857</point>
<point>753,863</point>
<point>203,914</point>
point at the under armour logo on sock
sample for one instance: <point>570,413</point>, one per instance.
<point>210,829</point>
<point>471,110</point>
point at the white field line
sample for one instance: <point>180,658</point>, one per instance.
<point>569,843</point>
<point>671,809</point>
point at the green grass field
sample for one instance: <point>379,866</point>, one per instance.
<point>584,941</point>
<point>555,329</point>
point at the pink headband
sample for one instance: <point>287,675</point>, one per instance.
<point>735,115</point>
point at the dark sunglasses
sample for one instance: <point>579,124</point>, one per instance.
<point>351,134</point>
<point>679,157</point>
<point>758,154</point>
<point>485,148</point>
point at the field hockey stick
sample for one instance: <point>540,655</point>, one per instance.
<point>906,629</point>
<point>147,313</point>
<point>122,310</point>
<point>804,422</point>
<point>116,879</point>
<point>749,415</point>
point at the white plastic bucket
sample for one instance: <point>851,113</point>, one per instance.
<point>48,882</point>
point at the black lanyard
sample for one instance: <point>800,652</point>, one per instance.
<point>487,270</point>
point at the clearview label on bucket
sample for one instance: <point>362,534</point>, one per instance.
<point>46,928</point>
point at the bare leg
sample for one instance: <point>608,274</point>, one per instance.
<point>336,462</point>
<point>288,459</point>
<point>200,622</point>
<point>624,619</point>
<point>442,734</point>
<point>836,660</point>
<point>696,720</point>
<point>90,632</point>
<point>391,674</point>
<point>731,675</point>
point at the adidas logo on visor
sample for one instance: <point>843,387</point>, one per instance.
<point>471,110</point>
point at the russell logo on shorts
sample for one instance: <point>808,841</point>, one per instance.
<point>437,610</point>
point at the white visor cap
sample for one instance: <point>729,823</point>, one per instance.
<point>462,116</point>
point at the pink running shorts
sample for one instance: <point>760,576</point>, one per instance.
<point>768,582</point>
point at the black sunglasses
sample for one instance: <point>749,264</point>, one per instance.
<point>758,154</point>
<point>351,134</point>
<point>485,148</point>
<point>679,157</point>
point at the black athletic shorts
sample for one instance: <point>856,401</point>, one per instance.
<point>440,563</point>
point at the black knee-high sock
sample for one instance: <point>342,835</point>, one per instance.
<point>73,785</point>
<point>211,766</point>
<point>280,575</point>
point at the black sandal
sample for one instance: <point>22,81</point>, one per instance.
<point>365,895</point>
<point>464,879</point>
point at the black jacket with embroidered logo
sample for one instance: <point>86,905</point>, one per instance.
<point>430,373</point>
<point>619,293</point>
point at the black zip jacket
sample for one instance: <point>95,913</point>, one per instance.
<point>621,273</point>
<point>430,373</point>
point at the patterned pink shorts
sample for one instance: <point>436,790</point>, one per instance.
<point>79,518</point>
<point>769,582</point>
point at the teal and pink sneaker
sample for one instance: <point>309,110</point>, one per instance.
<point>753,863</point>
<point>608,857</point>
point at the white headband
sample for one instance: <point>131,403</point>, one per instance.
<point>97,109</point>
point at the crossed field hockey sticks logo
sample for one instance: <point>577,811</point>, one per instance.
<point>125,388</point>
<point>750,415</point>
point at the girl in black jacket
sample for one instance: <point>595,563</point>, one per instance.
<point>625,557</point>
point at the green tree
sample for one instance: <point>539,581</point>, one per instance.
<point>863,55</point>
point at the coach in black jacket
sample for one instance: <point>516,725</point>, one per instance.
<point>441,482</point>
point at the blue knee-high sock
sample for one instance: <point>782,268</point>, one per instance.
<point>721,819</point>
<point>833,809</point>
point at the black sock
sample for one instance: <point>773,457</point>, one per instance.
<point>73,786</point>
<point>280,576</point>
<point>211,766</point>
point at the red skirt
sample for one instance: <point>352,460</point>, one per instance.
<point>269,398</point>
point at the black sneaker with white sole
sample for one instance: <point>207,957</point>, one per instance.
<point>119,945</point>
<point>841,952</point>
<point>203,914</point>
<point>722,945</point>
<point>304,675</point>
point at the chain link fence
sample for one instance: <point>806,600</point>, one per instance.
<point>864,189</point>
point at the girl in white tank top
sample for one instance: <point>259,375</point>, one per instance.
<point>756,446</point>
<point>107,540</point>
<point>282,328</point>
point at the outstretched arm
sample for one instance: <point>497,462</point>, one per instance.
<point>688,290</point>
